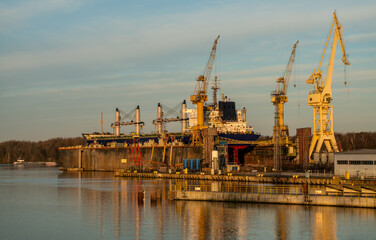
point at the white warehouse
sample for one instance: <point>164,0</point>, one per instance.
<point>359,163</point>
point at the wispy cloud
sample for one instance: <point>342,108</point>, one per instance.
<point>132,39</point>
<point>13,15</point>
<point>362,37</point>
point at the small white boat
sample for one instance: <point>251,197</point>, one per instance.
<point>19,162</point>
<point>50,164</point>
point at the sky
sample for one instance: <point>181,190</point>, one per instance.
<point>63,62</point>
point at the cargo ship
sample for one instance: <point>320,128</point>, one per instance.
<point>230,134</point>
<point>230,124</point>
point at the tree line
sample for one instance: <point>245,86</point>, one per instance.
<point>352,141</point>
<point>347,141</point>
<point>41,151</point>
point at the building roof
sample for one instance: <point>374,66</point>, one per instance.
<point>359,151</point>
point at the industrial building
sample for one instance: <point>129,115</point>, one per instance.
<point>358,163</point>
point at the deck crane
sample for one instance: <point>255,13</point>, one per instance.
<point>200,96</point>
<point>320,97</point>
<point>136,122</point>
<point>279,98</point>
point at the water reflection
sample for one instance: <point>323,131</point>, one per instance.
<point>215,220</point>
<point>282,223</point>
<point>112,204</point>
<point>96,205</point>
<point>325,224</point>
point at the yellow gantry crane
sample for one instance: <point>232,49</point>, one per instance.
<point>320,97</point>
<point>279,98</point>
<point>200,96</point>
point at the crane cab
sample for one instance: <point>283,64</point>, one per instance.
<point>314,99</point>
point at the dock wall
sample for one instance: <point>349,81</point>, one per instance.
<point>246,178</point>
<point>111,159</point>
<point>299,199</point>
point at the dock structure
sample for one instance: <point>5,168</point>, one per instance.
<point>270,194</point>
<point>259,178</point>
<point>112,158</point>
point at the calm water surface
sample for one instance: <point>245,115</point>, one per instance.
<point>45,203</point>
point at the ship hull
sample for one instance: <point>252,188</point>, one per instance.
<point>247,137</point>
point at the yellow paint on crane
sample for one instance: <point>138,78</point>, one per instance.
<point>320,96</point>
<point>200,96</point>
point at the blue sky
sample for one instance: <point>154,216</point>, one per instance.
<point>63,62</point>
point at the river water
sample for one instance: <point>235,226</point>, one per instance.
<point>45,203</point>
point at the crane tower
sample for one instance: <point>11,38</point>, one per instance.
<point>200,96</point>
<point>320,97</point>
<point>279,98</point>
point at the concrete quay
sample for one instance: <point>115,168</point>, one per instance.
<point>247,178</point>
<point>299,195</point>
<point>276,198</point>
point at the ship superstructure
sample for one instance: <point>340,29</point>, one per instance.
<point>226,119</point>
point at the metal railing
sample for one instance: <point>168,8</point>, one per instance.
<point>240,189</point>
<point>268,190</point>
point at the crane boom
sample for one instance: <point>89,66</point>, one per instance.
<point>203,80</point>
<point>338,34</point>
<point>209,65</point>
<point>283,82</point>
<point>288,70</point>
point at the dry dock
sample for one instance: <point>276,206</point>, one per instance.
<point>112,158</point>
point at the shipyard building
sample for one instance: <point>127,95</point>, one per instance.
<point>358,163</point>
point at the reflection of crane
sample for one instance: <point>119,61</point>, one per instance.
<point>200,96</point>
<point>321,95</point>
<point>279,98</point>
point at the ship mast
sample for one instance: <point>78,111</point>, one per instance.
<point>216,86</point>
